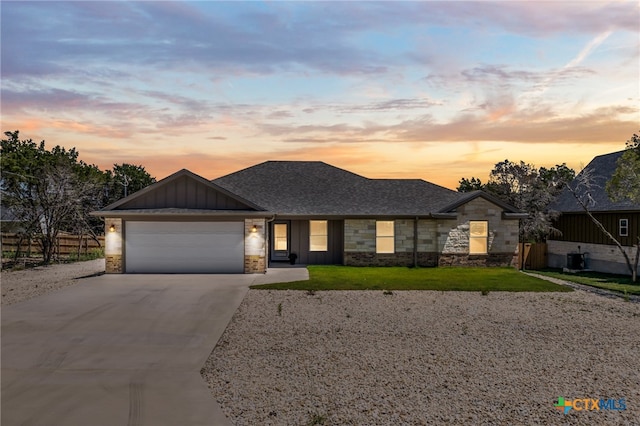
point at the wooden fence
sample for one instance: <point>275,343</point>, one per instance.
<point>532,256</point>
<point>65,244</point>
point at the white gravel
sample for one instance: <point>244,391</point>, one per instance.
<point>424,357</point>
<point>18,286</point>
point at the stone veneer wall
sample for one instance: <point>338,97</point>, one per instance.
<point>453,237</point>
<point>600,257</point>
<point>113,246</point>
<point>360,243</point>
<point>440,242</point>
<point>255,260</point>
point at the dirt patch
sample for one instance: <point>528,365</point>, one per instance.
<point>18,286</point>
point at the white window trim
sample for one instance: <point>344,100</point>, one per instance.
<point>391,237</point>
<point>325,235</point>
<point>624,227</point>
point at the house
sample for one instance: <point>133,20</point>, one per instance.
<point>312,211</point>
<point>581,244</point>
<point>9,221</point>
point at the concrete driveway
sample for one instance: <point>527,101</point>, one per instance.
<point>119,350</point>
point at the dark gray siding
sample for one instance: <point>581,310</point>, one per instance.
<point>300,243</point>
<point>580,228</point>
<point>184,192</point>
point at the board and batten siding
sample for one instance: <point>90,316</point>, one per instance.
<point>299,240</point>
<point>184,192</point>
<point>579,228</point>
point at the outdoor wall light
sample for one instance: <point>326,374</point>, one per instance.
<point>254,228</point>
<point>112,228</point>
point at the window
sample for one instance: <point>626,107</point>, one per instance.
<point>385,241</point>
<point>478,236</point>
<point>280,236</point>
<point>623,227</point>
<point>318,235</point>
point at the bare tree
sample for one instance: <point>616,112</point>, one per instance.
<point>581,189</point>
<point>46,190</point>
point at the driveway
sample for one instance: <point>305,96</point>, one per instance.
<point>119,350</point>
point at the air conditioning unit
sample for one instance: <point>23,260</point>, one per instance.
<point>575,261</point>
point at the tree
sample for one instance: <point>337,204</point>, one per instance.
<point>530,190</point>
<point>581,189</point>
<point>46,190</point>
<point>125,179</point>
<point>625,181</point>
<point>470,185</point>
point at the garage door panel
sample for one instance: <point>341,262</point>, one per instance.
<point>189,247</point>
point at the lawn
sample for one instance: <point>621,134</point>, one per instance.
<point>619,283</point>
<point>401,278</point>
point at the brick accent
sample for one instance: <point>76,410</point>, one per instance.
<point>491,259</point>
<point>389,259</point>
<point>255,251</point>
<point>113,264</point>
<point>254,265</point>
<point>113,246</point>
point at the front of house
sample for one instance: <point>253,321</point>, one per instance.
<point>310,211</point>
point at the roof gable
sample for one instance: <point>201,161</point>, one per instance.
<point>470,196</point>
<point>183,190</point>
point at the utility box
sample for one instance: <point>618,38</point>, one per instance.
<point>575,261</point>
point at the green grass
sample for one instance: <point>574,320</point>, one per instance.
<point>619,283</point>
<point>95,253</point>
<point>401,278</point>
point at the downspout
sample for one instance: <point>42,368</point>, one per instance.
<point>415,242</point>
<point>267,242</point>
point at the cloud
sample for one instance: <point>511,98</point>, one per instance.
<point>209,36</point>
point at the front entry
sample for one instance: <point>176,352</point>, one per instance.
<point>280,241</point>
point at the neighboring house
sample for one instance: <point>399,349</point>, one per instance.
<point>313,211</point>
<point>9,222</point>
<point>581,237</point>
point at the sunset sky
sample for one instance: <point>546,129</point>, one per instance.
<point>431,90</point>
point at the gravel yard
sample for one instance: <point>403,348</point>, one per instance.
<point>423,357</point>
<point>28,283</point>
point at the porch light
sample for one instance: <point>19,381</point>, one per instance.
<point>112,228</point>
<point>254,228</point>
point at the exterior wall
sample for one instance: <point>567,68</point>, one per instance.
<point>360,243</point>
<point>255,248</point>
<point>599,257</point>
<point>453,237</point>
<point>579,228</point>
<point>113,242</point>
<point>359,236</point>
<point>299,243</point>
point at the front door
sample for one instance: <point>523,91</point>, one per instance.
<point>280,241</point>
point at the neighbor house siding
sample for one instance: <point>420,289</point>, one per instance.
<point>579,228</point>
<point>599,257</point>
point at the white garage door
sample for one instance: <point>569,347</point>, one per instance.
<point>184,247</point>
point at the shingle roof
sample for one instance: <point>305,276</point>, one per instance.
<point>601,169</point>
<point>317,188</point>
